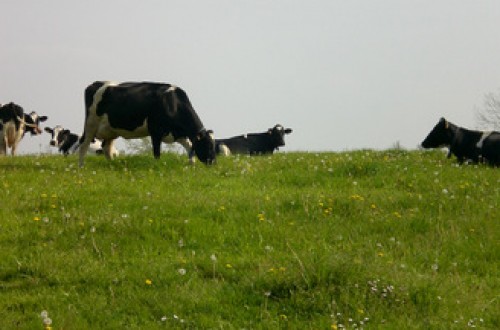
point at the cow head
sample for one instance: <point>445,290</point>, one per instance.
<point>32,123</point>
<point>204,147</point>
<point>440,136</point>
<point>58,135</point>
<point>277,134</point>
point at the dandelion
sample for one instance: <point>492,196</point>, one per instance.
<point>181,243</point>
<point>261,217</point>
<point>36,218</point>
<point>229,266</point>
<point>181,271</point>
<point>397,214</point>
<point>222,208</point>
<point>213,257</point>
<point>43,195</point>
<point>47,321</point>
<point>149,282</point>
<point>357,197</point>
<point>163,318</point>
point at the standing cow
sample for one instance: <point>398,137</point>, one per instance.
<point>465,144</point>
<point>253,143</point>
<point>14,123</point>
<point>137,109</point>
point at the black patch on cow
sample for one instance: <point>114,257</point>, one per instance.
<point>11,112</point>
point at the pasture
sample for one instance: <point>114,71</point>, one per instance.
<point>362,239</point>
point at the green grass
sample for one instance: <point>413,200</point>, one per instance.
<point>379,240</point>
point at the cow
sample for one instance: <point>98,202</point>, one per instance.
<point>137,109</point>
<point>68,142</point>
<point>253,143</point>
<point>14,124</point>
<point>466,145</point>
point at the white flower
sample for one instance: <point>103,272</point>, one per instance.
<point>181,271</point>
<point>213,258</point>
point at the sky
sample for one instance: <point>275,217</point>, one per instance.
<point>343,74</point>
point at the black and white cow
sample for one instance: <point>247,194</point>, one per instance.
<point>68,142</point>
<point>466,145</point>
<point>14,124</point>
<point>137,109</point>
<point>253,143</point>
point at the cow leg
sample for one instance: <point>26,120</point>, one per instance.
<point>89,133</point>
<point>188,146</point>
<point>156,142</point>
<point>3,147</point>
<point>108,148</point>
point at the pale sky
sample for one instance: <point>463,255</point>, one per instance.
<point>343,74</point>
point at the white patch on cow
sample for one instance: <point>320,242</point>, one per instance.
<point>483,137</point>
<point>172,88</point>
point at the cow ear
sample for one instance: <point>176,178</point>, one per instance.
<point>48,130</point>
<point>288,131</point>
<point>43,118</point>
<point>270,131</point>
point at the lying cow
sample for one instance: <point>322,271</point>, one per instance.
<point>134,110</point>
<point>466,145</point>
<point>68,142</point>
<point>14,124</point>
<point>253,143</point>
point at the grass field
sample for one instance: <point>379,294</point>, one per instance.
<point>362,239</point>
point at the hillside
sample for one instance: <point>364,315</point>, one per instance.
<point>362,239</point>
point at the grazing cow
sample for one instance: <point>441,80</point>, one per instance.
<point>466,145</point>
<point>254,143</point>
<point>14,123</point>
<point>68,142</point>
<point>137,109</point>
